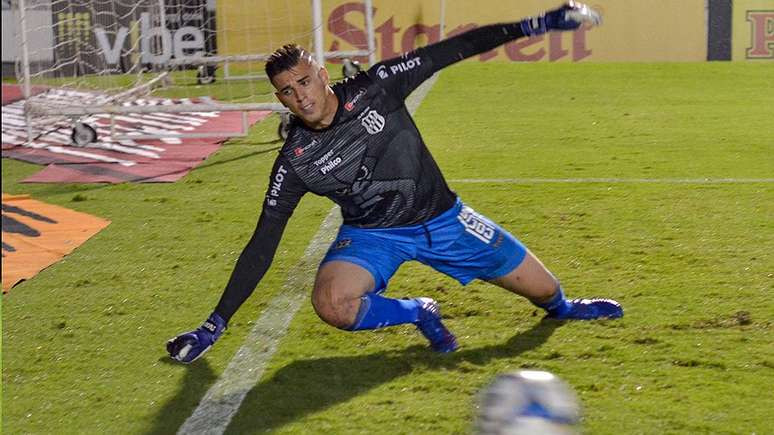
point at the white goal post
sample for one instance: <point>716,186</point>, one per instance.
<point>120,52</point>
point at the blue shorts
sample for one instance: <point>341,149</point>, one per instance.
<point>460,243</point>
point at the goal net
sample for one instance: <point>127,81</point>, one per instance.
<point>84,60</point>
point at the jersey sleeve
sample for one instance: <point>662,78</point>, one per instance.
<point>282,196</point>
<point>401,75</point>
<point>284,191</point>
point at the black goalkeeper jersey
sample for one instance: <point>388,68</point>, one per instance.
<point>371,160</point>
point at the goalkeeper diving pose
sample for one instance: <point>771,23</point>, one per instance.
<point>355,143</point>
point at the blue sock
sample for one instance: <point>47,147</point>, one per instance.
<point>377,312</point>
<point>557,305</point>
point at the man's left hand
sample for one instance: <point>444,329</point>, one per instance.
<point>188,347</point>
<point>568,17</point>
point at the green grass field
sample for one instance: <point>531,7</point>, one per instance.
<point>692,263</point>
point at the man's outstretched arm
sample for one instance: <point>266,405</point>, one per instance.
<point>405,73</point>
<point>284,192</point>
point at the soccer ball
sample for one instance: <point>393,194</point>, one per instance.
<point>528,402</point>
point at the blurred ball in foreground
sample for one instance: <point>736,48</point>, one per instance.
<point>528,402</point>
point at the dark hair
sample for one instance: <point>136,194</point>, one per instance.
<point>285,58</point>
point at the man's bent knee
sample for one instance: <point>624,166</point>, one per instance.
<point>335,310</point>
<point>337,292</point>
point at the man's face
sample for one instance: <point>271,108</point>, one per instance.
<point>303,89</point>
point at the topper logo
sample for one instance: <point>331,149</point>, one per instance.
<point>324,158</point>
<point>405,66</point>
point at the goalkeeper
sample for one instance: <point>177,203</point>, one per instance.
<point>355,143</point>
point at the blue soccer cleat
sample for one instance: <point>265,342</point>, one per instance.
<point>588,309</point>
<point>429,324</point>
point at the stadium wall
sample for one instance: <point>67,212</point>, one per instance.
<point>260,26</point>
<point>655,30</point>
<point>637,31</point>
<point>719,29</point>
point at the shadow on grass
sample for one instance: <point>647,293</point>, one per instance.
<point>307,386</point>
<point>199,377</point>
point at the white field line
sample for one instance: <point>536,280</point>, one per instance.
<point>614,180</point>
<point>218,406</point>
<point>245,369</point>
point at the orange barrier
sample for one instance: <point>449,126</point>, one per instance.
<point>37,235</point>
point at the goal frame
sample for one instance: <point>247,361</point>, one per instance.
<point>74,113</point>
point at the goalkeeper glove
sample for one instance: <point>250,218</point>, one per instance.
<point>188,347</point>
<point>568,17</point>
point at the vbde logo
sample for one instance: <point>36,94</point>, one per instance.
<point>187,41</point>
<point>761,35</point>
